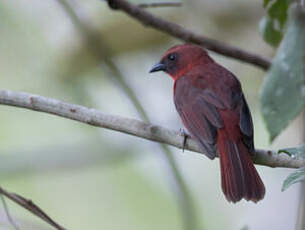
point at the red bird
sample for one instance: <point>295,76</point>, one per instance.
<point>211,104</point>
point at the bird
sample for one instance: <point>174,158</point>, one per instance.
<point>211,104</point>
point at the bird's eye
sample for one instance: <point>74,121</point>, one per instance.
<point>172,57</point>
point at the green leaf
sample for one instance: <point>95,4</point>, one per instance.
<point>295,177</point>
<point>272,25</point>
<point>283,90</point>
<point>278,11</point>
<point>298,152</point>
<point>269,33</point>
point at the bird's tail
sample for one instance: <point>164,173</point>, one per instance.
<point>239,177</point>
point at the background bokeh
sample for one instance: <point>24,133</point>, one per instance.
<point>91,178</point>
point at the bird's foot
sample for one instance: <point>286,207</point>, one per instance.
<point>185,135</point>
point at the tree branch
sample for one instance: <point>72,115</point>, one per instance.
<point>129,126</point>
<point>179,32</point>
<point>159,4</point>
<point>30,206</point>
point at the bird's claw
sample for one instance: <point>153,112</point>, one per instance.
<point>185,136</point>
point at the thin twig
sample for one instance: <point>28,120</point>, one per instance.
<point>129,126</point>
<point>30,206</point>
<point>159,4</point>
<point>7,212</point>
<point>179,32</point>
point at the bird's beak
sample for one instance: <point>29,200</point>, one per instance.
<point>157,67</point>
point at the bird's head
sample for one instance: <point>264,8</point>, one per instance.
<point>180,58</point>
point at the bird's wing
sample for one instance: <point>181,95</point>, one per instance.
<point>230,92</point>
<point>198,111</point>
<point>246,125</point>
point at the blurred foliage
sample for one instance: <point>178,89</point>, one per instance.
<point>272,25</point>
<point>88,178</point>
<point>271,35</point>
<point>64,157</point>
<point>283,90</point>
<point>295,177</point>
<point>95,196</point>
<point>245,228</point>
<point>100,51</point>
<point>299,174</point>
<point>80,60</point>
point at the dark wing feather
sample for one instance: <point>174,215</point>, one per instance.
<point>246,125</point>
<point>197,109</point>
